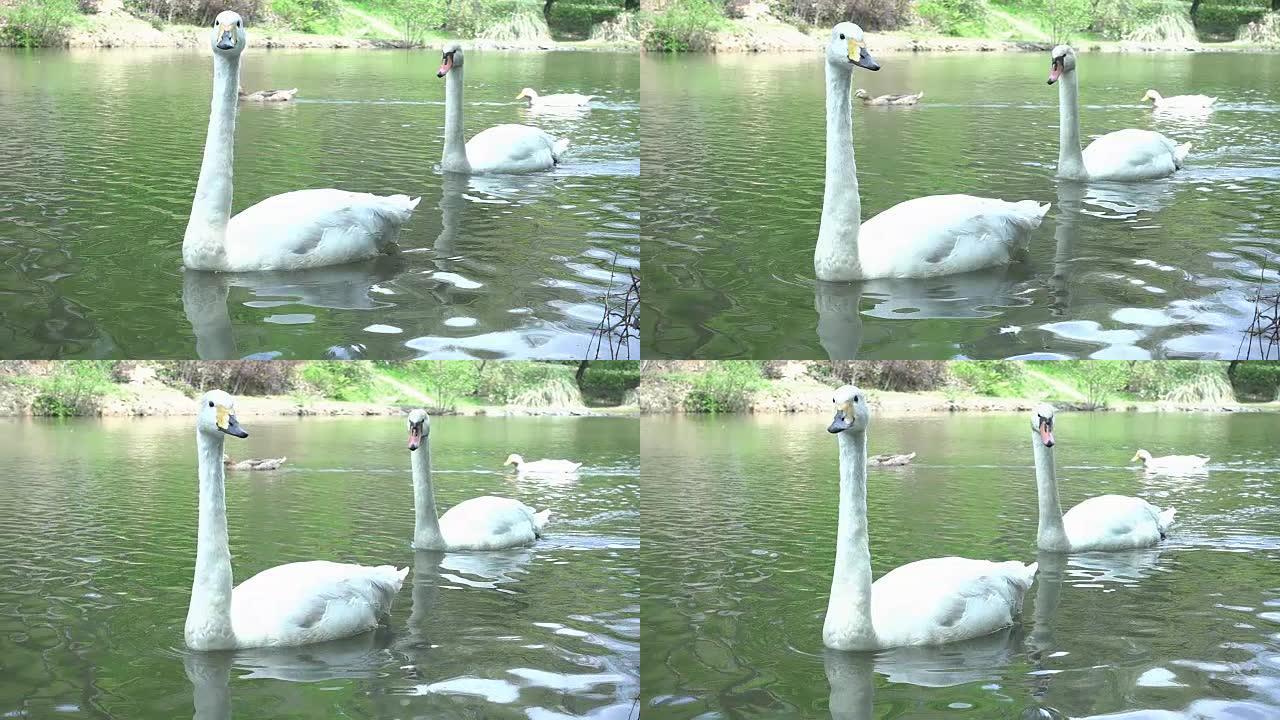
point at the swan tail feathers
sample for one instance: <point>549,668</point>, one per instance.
<point>540,521</point>
<point>1180,153</point>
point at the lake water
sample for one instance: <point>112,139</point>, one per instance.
<point>97,547</point>
<point>740,517</point>
<point>98,165</point>
<point>732,150</point>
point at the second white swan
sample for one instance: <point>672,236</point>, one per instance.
<point>927,602</point>
<point>499,149</point>
<point>1105,522</point>
<point>1123,155</point>
<point>293,231</point>
<point>482,523</point>
<point>924,237</point>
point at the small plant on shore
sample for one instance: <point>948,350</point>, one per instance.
<point>725,387</point>
<point>73,388</point>
<point>685,26</point>
<point>955,17</point>
<point>350,380</point>
<point>1064,18</point>
<point>1001,378</point>
<point>37,23</point>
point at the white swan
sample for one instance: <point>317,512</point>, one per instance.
<point>499,149</point>
<point>482,523</point>
<point>1105,522</point>
<point>928,602</point>
<point>564,100</point>
<point>1179,102</point>
<point>293,231</point>
<point>1170,463</point>
<point>542,467</point>
<point>925,237</point>
<point>295,604</point>
<point>1123,155</point>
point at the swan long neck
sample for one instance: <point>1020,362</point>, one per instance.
<point>455,144</point>
<point>209,615</point>
<point>848,623</point>
<point>836,255</point>
<point>204,244</point>
<point>1070,160</point>
<point>426,523</point>
<point>1050,533</point>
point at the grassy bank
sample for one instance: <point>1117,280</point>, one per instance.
<point>805,386</point>
<point>559,24</point>
<point>942,25</point>
<point>79,388</point>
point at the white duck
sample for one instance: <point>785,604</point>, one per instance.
<point>293,231</point>
<point>1179,102</point>
<point>542,467</point>
<point>927,602</point>
<point>1105,522</point>
<point>1171,463</point>
<point>499,149</point>
<point>1123,155</point>
<point>482,523</point>
<point>295,604</point>
<point>925,237</point>
<point>563,100</point>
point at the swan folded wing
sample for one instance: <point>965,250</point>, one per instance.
<point>943,600</point>
<point>945,235</point>
<point>1114,522</point>
<point>315,601</point>
<point>1132,154</point>
<point>513,148</point>
<point>313,228</point>
<point>488,522</point>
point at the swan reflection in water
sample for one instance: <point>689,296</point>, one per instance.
<point>978,294</point>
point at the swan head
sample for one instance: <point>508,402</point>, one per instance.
<point>1151,95</point>
<point>529,93</point>
<point>450,58</point>
<point>1142,455</point>
<point>1061,61</point>
<point>851,411</point>
<point>218,415</point>
<point>846,49</point>
<point>228,34</point>
<point>513,459</point>
<point>419,428</point>
<point>1042,423</point>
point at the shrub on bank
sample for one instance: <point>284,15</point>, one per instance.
<point>352,380</point>
<point>869,14</point>
<point>686,25</point>
<point>995,377</point>
<point>1182,381</point>
<point>725,387</point>
<point>955,17</point>
<point>72,389</point>
<point>310,16</point>
<point>238,377</point>
<point>195,12</point>
<point>1256,381</point>
<point>37,23</point>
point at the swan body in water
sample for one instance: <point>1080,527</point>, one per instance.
<point>1105,522</point>
<point>295,604</point>
<point>500,149</point>
<point>481,523</point>
<point>925,237</point>
<point>293,231</point>
<point>927,602</point>
<point>1123,155</point>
